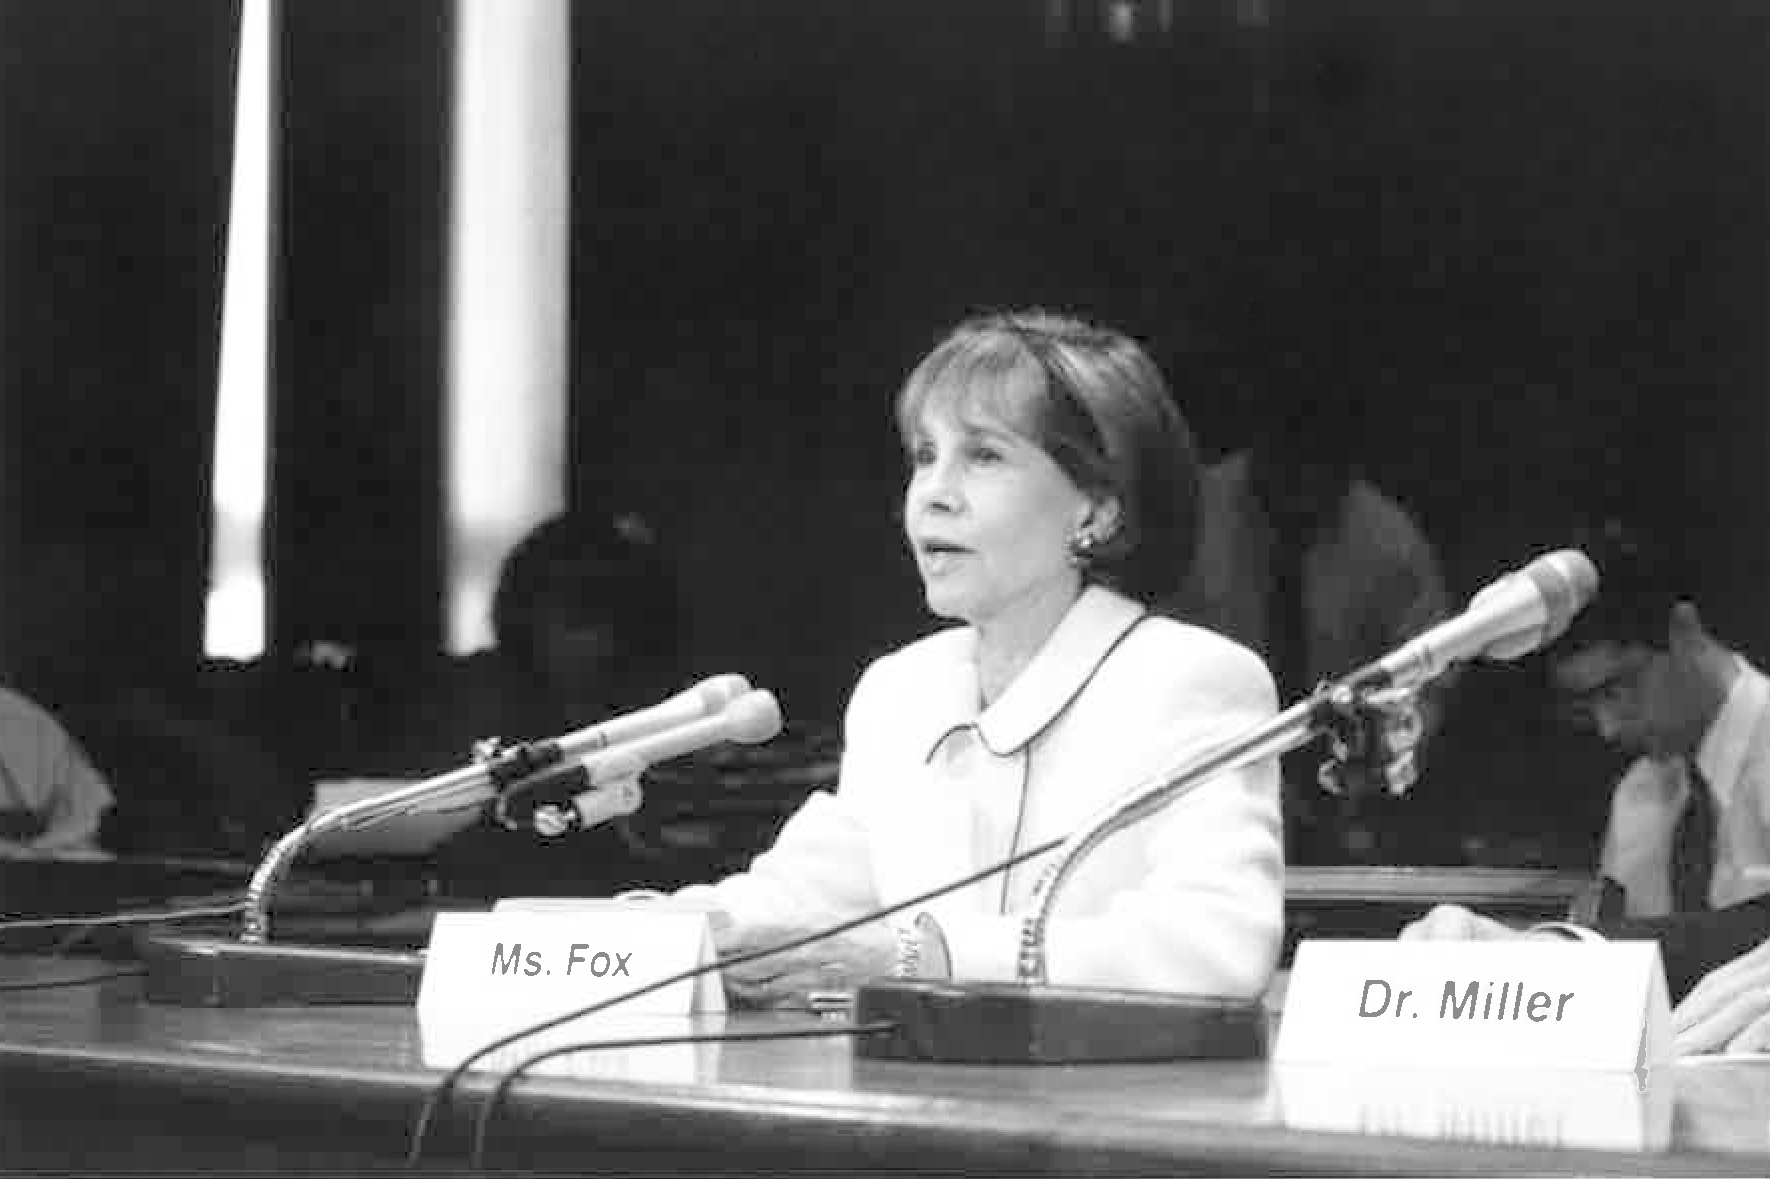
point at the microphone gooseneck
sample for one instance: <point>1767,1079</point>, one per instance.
<point>1291,729</point>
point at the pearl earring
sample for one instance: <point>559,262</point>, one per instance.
<point>1082,544</point>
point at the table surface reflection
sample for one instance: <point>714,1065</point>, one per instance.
<point>807,1104</point>
<point>1427,884</point>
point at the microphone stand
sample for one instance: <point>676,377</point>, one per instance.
<point>1291,729</point>
<point>1030,1022</point>
<point>250,971</point>
<point>494,767</point>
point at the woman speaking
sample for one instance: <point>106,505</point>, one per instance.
<point>1050,502</point>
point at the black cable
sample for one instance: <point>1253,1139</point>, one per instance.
<point>77,981</point>
<point>126,918</point>
<point>482,1124</point>
<point>67,944</point>
<point>439,1095</point>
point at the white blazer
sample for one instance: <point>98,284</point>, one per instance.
<point>1189,900</point>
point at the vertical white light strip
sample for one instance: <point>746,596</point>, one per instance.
<point>233,620</point>
<point>506,356</point>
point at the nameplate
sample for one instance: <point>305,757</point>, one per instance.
<point>1436,1004</point>
<point>488,974</point>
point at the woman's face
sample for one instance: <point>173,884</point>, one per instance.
<point>989,516</point>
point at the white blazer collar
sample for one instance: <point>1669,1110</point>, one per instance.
<point>1095,624</point>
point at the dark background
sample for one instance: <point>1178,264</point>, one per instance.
<point>1518,248</point>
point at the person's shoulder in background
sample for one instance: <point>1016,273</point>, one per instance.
<point>21,714</point>
<point>1381,521</point>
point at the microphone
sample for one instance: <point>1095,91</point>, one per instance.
<point>750,719</point>
<point>703,699</point>
<point>1521,612</point>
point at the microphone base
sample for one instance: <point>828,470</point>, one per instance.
<point>223,972</point>
<point>1012,1023</point>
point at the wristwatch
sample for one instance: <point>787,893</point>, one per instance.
<point>921,950</point>
<point>909,952</point>
<point>1567,929</point>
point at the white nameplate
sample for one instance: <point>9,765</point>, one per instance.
<point>1517,1003</point>
<point>489,974</point>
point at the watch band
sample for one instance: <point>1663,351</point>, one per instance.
<point>909,952</point>
<point>1567,929</point>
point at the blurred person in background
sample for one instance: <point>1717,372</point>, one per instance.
<point>52,800</point>
<point>1319,570</point>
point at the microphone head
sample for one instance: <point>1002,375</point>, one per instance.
<point>1555,588</point>
<point>752,718</point>
<point>1567,580</point>
<point>715,692</point>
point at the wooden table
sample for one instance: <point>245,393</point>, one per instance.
<point>1378,900</point>
<point>391,902</point>
<point>93,1078</point>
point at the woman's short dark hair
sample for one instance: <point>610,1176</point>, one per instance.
<point>1093,400</point>
<point>596,568</point>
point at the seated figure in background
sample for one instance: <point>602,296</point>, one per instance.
<point>587,624</point>
<point>188,775</point>
<point>1303,560</point>
<point>1689,825</point>
<point>1051,480</point>
<point>1686,853</point>
<point>587,620</point>
<point>51,798</point>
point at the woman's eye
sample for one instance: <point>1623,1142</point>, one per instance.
<point>985,454</point>
<point>921,456</point>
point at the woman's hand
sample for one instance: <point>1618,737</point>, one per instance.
<point>1729,1010</point>
<point>787,979</point>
